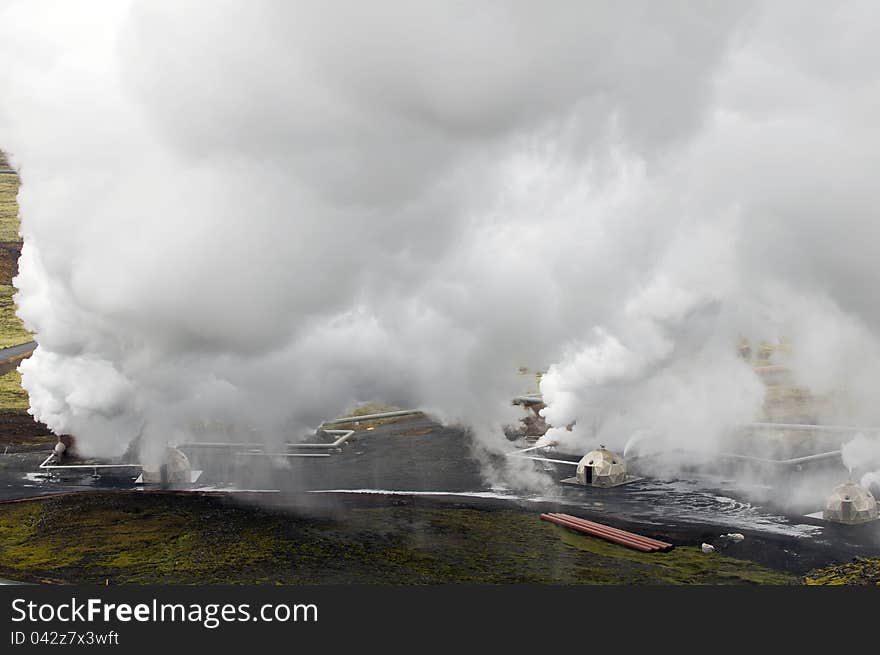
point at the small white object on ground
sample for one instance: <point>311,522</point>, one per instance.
<point>707,548</point>
<point>735,536</point>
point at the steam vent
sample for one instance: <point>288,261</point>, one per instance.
<point>601,468</point>
<point>849,503</point>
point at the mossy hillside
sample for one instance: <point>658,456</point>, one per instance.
<point>12,332</point>
<point>147,538</point>
<point>12,396</point>
<point>861,571</point>
<point>683,564</point>
<point>97,538</point>
<point>8,206</point>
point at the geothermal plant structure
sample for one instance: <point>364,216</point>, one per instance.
<point>851,504</point>
<point>599,468</point>
<point>175,469</point>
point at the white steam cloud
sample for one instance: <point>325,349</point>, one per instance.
<point>260,213</point>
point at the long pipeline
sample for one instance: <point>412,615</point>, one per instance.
<point>373,417</point>
<point>46,466</point>
<point>343,436</point>
<point>662,545</point>
<point>808,427</point>
<point>832,454</point>
<point>617,539</point>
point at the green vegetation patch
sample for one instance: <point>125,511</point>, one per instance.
<point>132,538</point>
<point>12,396</point>
<point>190,539</point>
<point>8,207</point>
<point>683,564</point>
<point>861,571</point>
<point>12,332</point>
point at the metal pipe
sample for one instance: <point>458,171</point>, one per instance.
<point>779,462</point>
<point>220,444</point>
<point>525,450</point>
<point>92,466</point>
<point>345,435</point>
<point>45,465</point>
<point>543,459</point>
<point>810,428</point>
<point>622,541</point>
<point>648,540</point>
<point>784,462</point>
<point>253,454</point>
<point>371,417</point>
<point>528,400</point>
<point>610,534</point>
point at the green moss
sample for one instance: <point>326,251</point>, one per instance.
<point>682,564</point>
<point>8,206</point>
<point>12,332</point>
<point>129,538</point>
<point>146,538</point>
<point>861,571</point>
<point>12,396</point>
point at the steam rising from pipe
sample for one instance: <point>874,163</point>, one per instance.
<point>861,455</point>
<point>261,214</point>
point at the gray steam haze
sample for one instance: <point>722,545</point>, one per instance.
<point>261,213</point>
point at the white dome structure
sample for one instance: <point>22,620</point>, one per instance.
<point>175,469</point>
<point>601,468</point>
<point>849,503</point>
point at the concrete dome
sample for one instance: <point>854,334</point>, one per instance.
<point>601,468</point>
<point>175,469</point>
<point>850,503</point>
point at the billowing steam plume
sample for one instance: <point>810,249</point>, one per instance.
<point>261,213</point>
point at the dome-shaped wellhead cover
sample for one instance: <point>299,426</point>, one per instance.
<point>601,468</point>
<point>174,470</point>
<point>849,503</point>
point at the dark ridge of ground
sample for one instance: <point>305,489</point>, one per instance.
<point>10,251</point>
<point>18,429</point>
<point>11,364</point>
<point>137,537</point>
